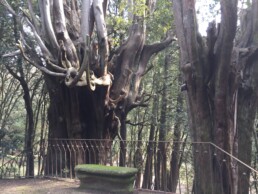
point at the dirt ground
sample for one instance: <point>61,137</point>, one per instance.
<point>39,186</point>
<point>50,186</point>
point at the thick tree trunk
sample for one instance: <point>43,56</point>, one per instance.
<point>75,113</point>
<point>245,121</point>
<point>247,92</point>
<point>214,74</point>
<point>91,90</point>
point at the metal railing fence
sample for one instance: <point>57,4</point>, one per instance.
<point>166,166</point>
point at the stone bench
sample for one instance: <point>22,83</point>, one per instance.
<point>106,179</point>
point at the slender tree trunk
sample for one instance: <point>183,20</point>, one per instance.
<point>138,159</point>
<point>162,157</point>
<point>176,155</point>
<point>29,132</point>
<point>122,155</point>
<point>42,139</point>
<point>148,170</point>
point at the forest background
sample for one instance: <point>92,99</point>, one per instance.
<point>153,98</point>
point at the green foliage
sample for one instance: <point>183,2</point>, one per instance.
<point>117,22</point>
<point>157,23</point>
<point>12,141</point>
<point>153,83</point>
<point>13,116</point>
<point>160,21</point>
<point>118,30</point>
<point>139,8</point>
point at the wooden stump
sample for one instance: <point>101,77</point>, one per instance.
<point>108,179</point>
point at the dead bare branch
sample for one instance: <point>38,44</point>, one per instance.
<point>42,68</point>
<point>102,35</point>
<point>41,44</point>
<point>12,54</point>
<point>46,20</point>
<point>8,7</point>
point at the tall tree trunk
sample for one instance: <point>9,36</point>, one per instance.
<point>245,121</point>
<point>162,156</point>
<point>214,73</point>
<point>148,170</point>
<point>122,155</point>
<point>176,155</point>
<point>138,159</point>
<point>29,131</point>
<point>247,92</point>
<point>43,138</point>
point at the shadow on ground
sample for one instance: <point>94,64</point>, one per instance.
<point>49,186</point>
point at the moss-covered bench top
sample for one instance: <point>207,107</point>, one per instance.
<point>105,170</point>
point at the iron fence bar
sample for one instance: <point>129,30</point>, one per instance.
<point>79,154</point>
<point>61,159</point>
<point>52,162</point>
<point>73,153</point>
<point>83,152</point>
<point>106,152</point>
<point>65,162</point>
<point>70,159</point>
<point>47,162</point>
<point>210,153</point>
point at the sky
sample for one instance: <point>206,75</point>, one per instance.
<point>209,10</point>
<point>206,12</point>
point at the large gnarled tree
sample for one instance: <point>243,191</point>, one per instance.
<point>92,85</point>
<point>221,77</point>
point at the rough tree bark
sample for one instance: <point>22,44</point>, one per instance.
<point>221,78</point>
<point>247,55</point>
